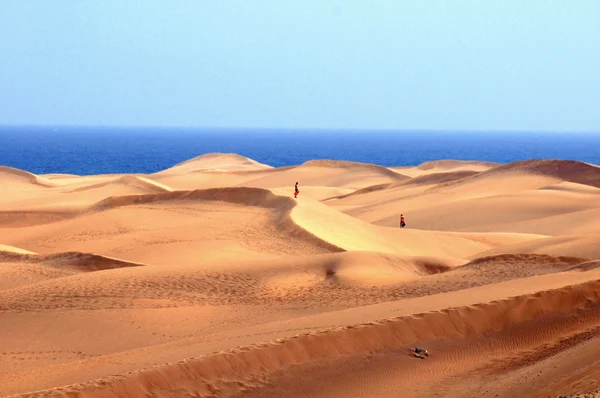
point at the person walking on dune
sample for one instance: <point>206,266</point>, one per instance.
<point>296,192</point>
<point>402,223</point>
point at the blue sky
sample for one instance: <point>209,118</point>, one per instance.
<point>501,65</point>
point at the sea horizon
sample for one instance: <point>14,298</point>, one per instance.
<point>202,129</point>
<point>86,150</point>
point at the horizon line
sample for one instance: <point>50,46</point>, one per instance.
<point>296,129</point>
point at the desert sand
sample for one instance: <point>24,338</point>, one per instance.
<point>210,279</point>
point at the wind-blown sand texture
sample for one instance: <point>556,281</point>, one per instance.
<point>210,279</point>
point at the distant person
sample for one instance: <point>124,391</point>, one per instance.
<point>402,223</point>
<point>296,192</point>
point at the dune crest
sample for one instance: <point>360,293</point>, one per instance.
<point>585,246</point>
<point>587,265</point>
<point>449,164</point>
<point>537,258</point>
<point>216,162</point>
<point>244,196</point>
<point>142,184</point>
<point>439,178</point>
<point>425,179</point>
<point>12,249</point>
<point>81,261</point>
<point>12,175</point>
<point>24,269</point>
<point>567,170</point>
<point>351,165</point>
<point>372,188</point>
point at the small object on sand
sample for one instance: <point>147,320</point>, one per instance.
<point>420,353</point>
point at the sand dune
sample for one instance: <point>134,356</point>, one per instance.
<point>9,175</point>
<point>82,190</point>
<point>246,368</point>
<point>177,226</point>
<point>536,211</point>
<point>449,164</point>
<point>19,267</point>
<point>337,164</point>
<point>439,178</point>
<point>79,192</point>
<point>321,179</point>
<point>75,260</point>
<point>587,246</point>
<point>369,189</point>
<point>210,279</point>
<point>245,196</point>
<point>213,170</point>
<point>352,234</point>
<point>58,176</point>
<point>525,197</point>
<point>216,162</point>
<point>426,179</point>
<point>308,222</point>
<point>567,170</point>
<point>137,184</point>
<point>445,166</point>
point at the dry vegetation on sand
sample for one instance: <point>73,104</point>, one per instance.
<point>210,279</point>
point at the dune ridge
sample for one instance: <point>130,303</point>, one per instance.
<point>10,174</point>
<point>585,246</point>
<point>439,178</point>
<point>566,170</point>
<point>139,182</point>
<point>220,156</point>
<point>245,367</point>
<point>369,189</point>
<point>238,195</point>
<point>539,258</point>
<point>14,250</point>
<point>81,261</point>
<point>425,179</point>
<point>586,265</point>
<point>452,163</point>
<point>216,161</point>
<point>350,165</point>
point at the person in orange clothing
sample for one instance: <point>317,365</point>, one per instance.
<point>402,223</point>
<point>296,192</point>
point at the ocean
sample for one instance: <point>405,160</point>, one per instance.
<point>108,150</point>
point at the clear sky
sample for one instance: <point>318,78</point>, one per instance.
<point>389,64</point>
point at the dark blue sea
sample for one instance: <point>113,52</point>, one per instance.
<point>87,150</point>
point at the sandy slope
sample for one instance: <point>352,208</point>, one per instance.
<point>445,166</point>
<point>210,279</point>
